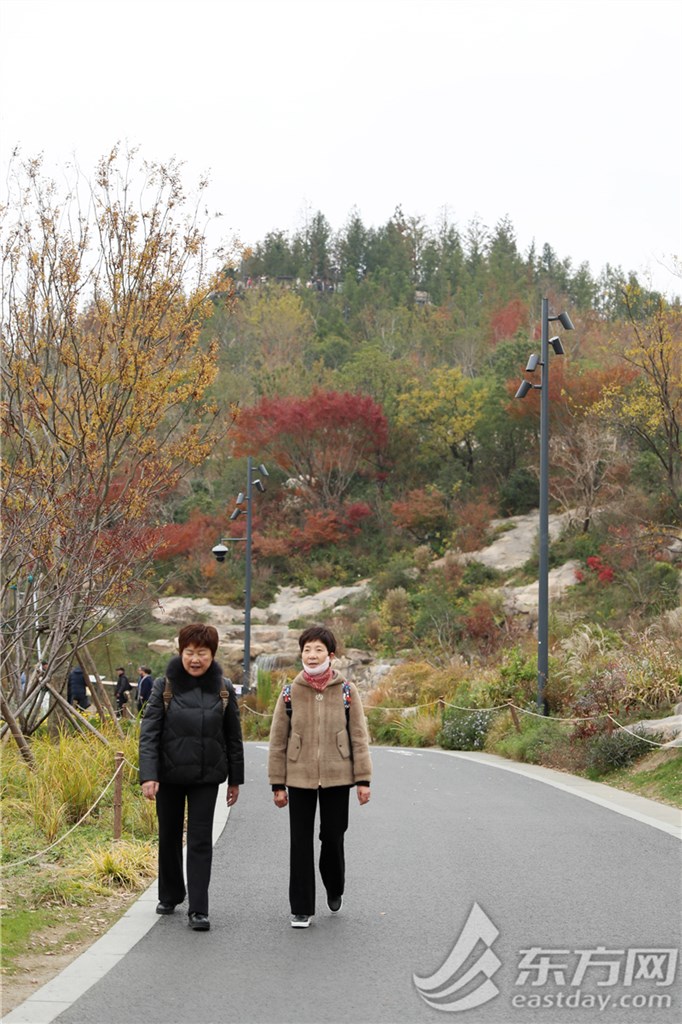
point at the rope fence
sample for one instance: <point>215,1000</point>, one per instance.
<point>441,703</point>
<point>41,853</point>
<point>514,709</point>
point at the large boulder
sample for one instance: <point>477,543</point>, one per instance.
<point>667,730</point>
<point>524,600</point>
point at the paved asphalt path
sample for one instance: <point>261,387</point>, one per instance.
<point>442,833</point>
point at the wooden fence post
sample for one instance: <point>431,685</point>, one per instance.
<point>515,717</point>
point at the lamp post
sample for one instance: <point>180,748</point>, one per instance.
<point>247,500</point>
<point>543,569</point>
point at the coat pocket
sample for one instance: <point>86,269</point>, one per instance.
<point>343,743</point>
<point>294,747</point>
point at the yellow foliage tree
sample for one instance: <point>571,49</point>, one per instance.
<point>104,406</point>
<point>442,411</point>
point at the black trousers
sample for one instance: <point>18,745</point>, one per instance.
<point>170,810</point>
<point>333,825</point>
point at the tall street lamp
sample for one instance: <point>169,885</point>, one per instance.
<point>543,571</point>
<point>246,500</point>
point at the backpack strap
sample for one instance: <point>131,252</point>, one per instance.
<point>168,694</point>
<point>224,695</point>
<point>286,697</point>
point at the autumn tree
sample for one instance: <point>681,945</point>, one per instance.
<point>650,406</point>
<point>585,449</point>
<point>584,462</point>
<point>442,411</point>
<point>264,331</point>
<point>104,293</point>
<point>324,442</point>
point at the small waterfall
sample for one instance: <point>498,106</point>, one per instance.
<point>261,668</point>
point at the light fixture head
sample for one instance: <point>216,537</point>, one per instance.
<point>524,387</point>
<point>533,361</point>
<point>557,346</point>
<point>220,551</point>
<point>236,514</point>
<point>565,321</point>
<point>263,470</point>
<point>259,485</point>
<point>240,497</point>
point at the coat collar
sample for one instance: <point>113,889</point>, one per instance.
<point>176,673</point>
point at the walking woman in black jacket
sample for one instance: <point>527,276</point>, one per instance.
<point>190,742</point>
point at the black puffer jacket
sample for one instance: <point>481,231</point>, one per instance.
<point>193,741</point>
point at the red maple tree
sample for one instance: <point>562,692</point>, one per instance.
<point>324,441</point>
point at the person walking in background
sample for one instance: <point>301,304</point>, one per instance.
<point>319,750</point>
<point>144,686</point>
<point>122,690</point>
<point>190,742</point>
<point>76,693</point>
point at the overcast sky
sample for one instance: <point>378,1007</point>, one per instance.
<point>565,116</point>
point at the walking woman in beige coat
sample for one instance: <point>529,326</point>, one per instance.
<point>319,750</point>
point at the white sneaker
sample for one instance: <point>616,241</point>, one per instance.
<point>300,921</point>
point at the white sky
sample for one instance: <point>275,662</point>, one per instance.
<point>564,114</point>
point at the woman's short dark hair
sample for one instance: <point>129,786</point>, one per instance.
<point>199,635</point>
<point>320,633</point>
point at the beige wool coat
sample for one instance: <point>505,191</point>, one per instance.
<point>314,748</point>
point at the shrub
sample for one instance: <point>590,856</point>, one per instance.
<point>465,729</point>
<point>519,494</point>
<point>610,751</point>
<point>395,608</point>
<point>473,523</point>
<point>535,743</point>
<point>516,680</point>
<point>481,626</point>
<point>420,730</point>
<point>384,726</point>
<point>476,574</point>
<point>423,556</point>
<point>398,573</point>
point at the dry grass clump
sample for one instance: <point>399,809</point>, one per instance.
<point>414,683</point>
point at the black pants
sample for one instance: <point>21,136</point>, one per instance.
<point>333,825</point>
<point>170,810</point>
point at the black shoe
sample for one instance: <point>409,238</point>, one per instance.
<point>165,908</point>
<point>335,904</point>
<point>199,922</point>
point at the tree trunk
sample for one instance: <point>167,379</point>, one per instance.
<point>78,720</point>
<point>99,694</point>
<point>24,748</point>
